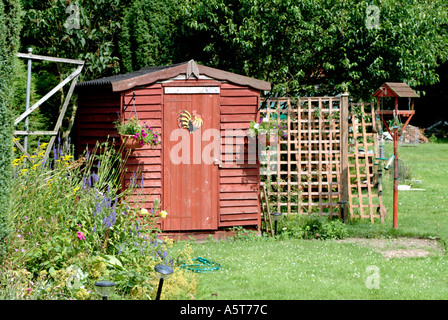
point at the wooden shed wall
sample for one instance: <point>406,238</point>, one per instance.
<point>239,182</point>
<point>148,104</point>
<point>97,110</point>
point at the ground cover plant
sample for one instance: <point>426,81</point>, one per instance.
<point>72,225</point>
<point>383,263</point>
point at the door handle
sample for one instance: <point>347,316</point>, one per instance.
<point>217,162</point>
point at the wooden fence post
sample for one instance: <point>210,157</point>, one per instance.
<point>345,182</point>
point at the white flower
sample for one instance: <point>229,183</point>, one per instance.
<point>265,119</point>
<point>257,125</point>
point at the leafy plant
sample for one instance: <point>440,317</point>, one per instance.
<point>145,134</point>
<point>267,126</point>
<point>312,226</point>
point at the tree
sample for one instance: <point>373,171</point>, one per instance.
<point>148,34</point>
<point>84,30</point>
<point>314,47</point>
<point>10,27</point>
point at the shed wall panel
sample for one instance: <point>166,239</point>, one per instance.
<point>239,173</point>
<point>146,105</point>
<point>97,110</point>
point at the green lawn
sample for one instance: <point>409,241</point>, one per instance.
<point>312,269</point>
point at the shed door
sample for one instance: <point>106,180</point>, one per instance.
<point>191,143</point>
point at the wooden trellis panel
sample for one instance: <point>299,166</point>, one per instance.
<point>364,200</point>
<point>306,173</point>
<point>302,171</point>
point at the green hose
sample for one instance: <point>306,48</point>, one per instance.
<point>204,265</point>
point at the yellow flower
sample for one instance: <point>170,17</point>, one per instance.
<point>76,189</point>
<point>143,212</point>
<point>163,214</point>
<point>23,171</point>
<point>16,139</point>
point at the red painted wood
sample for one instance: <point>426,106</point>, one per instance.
<point>238,203</point>
<point>234,196</point>
<point>238,117</point>
<point>238,195</point>
<point>238,109</point>
<point>190,189</point>
<point>239,101</point>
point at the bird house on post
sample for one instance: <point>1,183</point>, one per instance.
<point>204,174</point>
<point>395,90</point>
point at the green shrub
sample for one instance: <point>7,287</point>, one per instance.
<point>10,27</point>
<point>311,226</point>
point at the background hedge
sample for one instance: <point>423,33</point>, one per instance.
<point>10,27</point>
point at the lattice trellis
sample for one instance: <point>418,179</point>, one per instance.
<point>303,172</point>
<point>364,200</point>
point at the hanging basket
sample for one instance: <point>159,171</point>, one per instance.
<point>131,142</point>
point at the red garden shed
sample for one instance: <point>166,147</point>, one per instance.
<point>205,177</point>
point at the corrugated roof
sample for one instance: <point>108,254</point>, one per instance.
<point>395,89</point>
<point>108,81</point>
<point>148,75</point>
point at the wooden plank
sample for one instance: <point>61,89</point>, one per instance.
<point>237,117</point>
<point>47,58</point>
<point>238,172</point>
<point>238,203</point>
<point>238,188</point>
<point>237,210</point>
<point>72,76</point>
<point>35,133</point>
<point>239,101</point>
<point>239,180</point>
<point>238,196</point>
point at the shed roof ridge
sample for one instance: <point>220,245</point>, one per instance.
<point>151,74</point>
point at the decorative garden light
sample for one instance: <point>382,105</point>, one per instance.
<point>163,272</point>
<point>343,205</point>
<point>104,288</point>
<point>276,216</point>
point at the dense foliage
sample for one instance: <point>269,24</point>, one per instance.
<point>10,27</point>
<point>311,47</point>
<point>322,47</point>
<point>74,225</point>
<point>148,34</point>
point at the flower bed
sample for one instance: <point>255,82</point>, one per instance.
<point>73,227</point>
